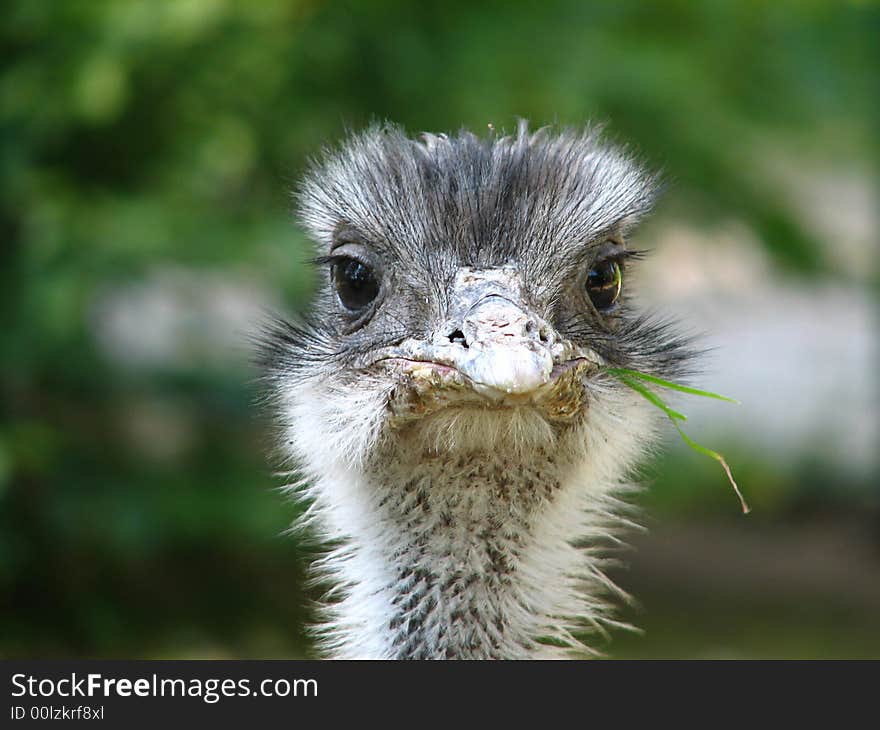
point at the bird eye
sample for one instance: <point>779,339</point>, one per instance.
<point>355,283</point>
<point>603,284</point>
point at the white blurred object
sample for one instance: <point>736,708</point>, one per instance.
<point>798,353</point>
<point>176,318</point>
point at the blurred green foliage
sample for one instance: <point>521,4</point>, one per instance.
<point>137,137</point>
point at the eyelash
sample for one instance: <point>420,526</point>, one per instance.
<point>332,258</point>
<point>625,255</point>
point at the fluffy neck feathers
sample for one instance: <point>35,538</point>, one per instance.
<point>482,547</point>
<point>468,555</point>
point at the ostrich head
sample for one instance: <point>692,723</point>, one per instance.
<point>461,447</point>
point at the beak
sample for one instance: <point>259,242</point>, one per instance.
<point>504,350</point>
<point>491,337</point>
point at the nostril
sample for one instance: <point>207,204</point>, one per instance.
<point>457,338</point>
<point>543,334</point>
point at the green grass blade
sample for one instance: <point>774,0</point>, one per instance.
<point>628,378</point>
<point>699,448</point>
<point>651,396</point>
<point>625,372</point>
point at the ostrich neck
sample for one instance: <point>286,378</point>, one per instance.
<point>467,555</point>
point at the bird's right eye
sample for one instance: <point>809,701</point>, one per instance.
<point>355,283</point>
<point>603,284</point>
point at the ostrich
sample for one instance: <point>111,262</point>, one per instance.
<point>462,450</point>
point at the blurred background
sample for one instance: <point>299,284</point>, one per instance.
<point>147,154</point>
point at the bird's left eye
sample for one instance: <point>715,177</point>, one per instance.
<point>355,283</point>
<point>603,284</point>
